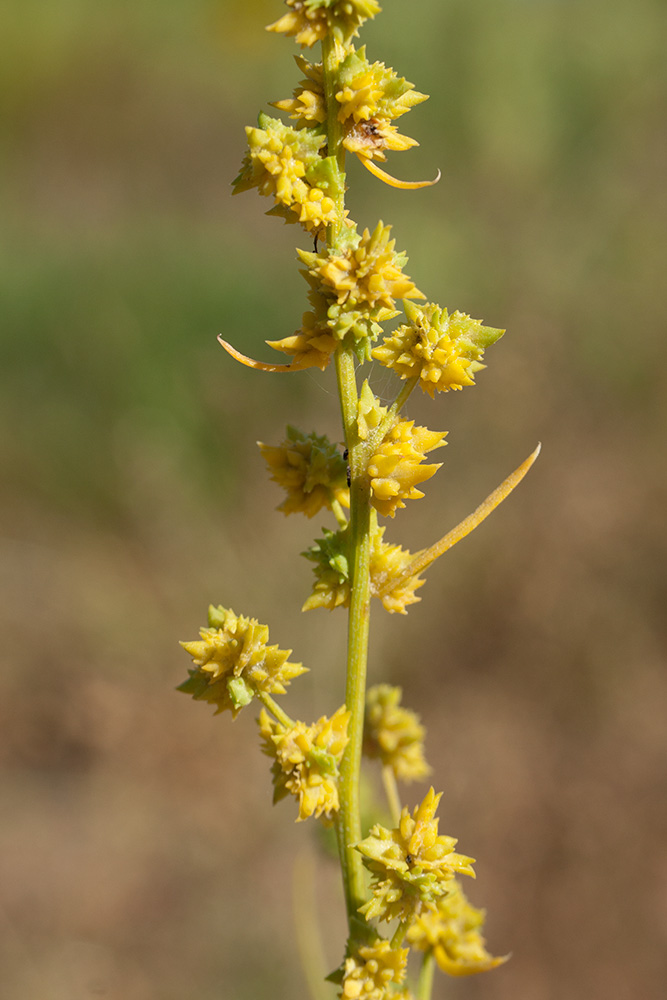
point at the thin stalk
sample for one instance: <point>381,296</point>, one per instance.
<point>339,513</point>
<point>308,935</point>
<point>399,934</point>
<point>391,791</point>
<point>348,823</point>
<point>426,973</point>
<point>275,709</point>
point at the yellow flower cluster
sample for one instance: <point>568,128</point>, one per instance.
<point>307,105</point>
<point>306,760</point>
<point>233,662</point>
<point>313,345</point>
<point>332,571</point>
<point>310,21</point>
<point>394,734</point>
<point>286,164</point>
<point>332,586</point>
<point>370,97</point>
<point>451,929</point>
<point>395,467</point>
<point>387,563</point>
<point>411,864</point>
<point>361,284</point>
<point>371,90</point>
<point>367,974</point>
<point>310,469</point>
<point>443,351</point>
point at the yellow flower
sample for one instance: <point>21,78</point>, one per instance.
<point>387,563</point>
<point>332,586</point>
<point>310,21</point>
<point>332,571</point>
<point>394,734</point>
<point>361,284</point>
<point>451,929</point>
<point>371,90</point>
<point>368,973</point>
<point>233,662</point>
<point>395,467</point>
<point>307,103</point>
<point>411,864</point>
<point>443,351</point>
<point>370,97</point>
<point>285,163</point>
<point>313,345</point>
<point>306,760</point>
<point>370,412</point>
<point>310,469</point>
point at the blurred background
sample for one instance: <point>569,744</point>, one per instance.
<point>139,855</point>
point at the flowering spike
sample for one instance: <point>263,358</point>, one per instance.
<point>394,181</point>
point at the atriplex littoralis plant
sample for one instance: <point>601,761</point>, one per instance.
<point>348,104</point>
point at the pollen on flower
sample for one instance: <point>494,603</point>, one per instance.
<point>395,467</point>
<point>277,163</point>
<point>443,350</point>
<point>305,761</point>
<point>394,734</point>
<point>367,973</point>
<point>451,928</point>
<point>411,864</point>
<point>309,21</point>
<point>232,662</point>
<point>310,469</point>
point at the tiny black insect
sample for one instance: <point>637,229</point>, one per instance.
<point>349,476</point>
<point>346,455</point>
<point>409,860</point>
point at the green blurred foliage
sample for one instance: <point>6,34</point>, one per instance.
<point>132,494</point>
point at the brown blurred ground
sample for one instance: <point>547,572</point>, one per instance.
<point>139,857</point>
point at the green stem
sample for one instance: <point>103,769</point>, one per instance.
<point>399,934</point>
<point>275,709</point>
<point>339,513</point>
<point>348,823</point>
<point>426,973</point>
<point>391,791</point>
<point>331,57</point>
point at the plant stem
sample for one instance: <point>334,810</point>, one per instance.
<point>426,973</point>
<point>275,709</point>
<point>348,823</point>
